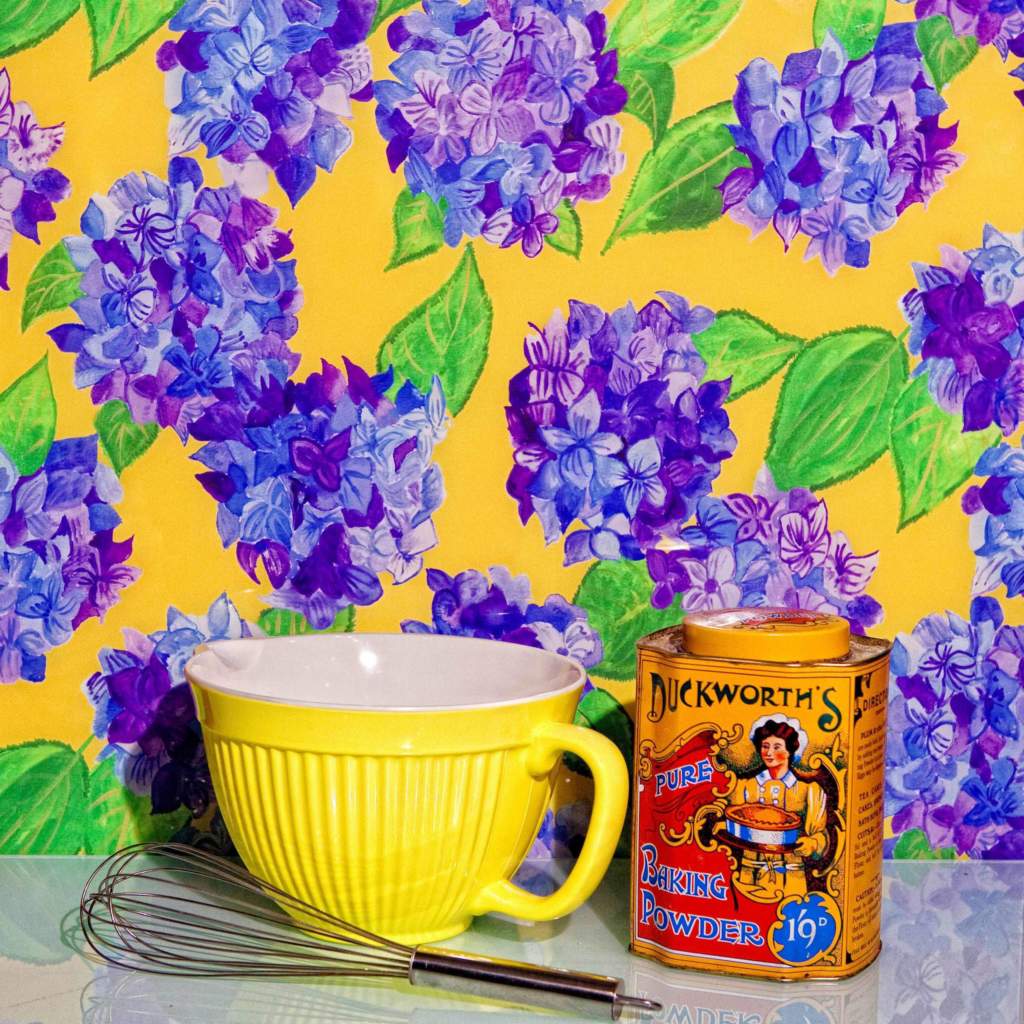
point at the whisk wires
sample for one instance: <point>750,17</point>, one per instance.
<point>175,910</point>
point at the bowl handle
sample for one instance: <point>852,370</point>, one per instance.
<point>611,794</point>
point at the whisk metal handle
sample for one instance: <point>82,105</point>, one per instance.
<point>547,987</point>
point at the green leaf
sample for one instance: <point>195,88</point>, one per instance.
<point>832,419</point>
<point>388,9</point>
<point>676,185</point>
<point>945,55</point>
<point>118,26</point>
<point>666,31</point>
<point>652,91</point>
<point>617,598</point>
<point>418,228</point>
<point>37,893</point>
<point>855,23</point>
<point>913,845</point>
<point>281,622</point>
<point>23,23</point>
<point>122,438</point>
<point>28,418</point>
<point>116,817</point>
<point>448,334</point>
<point>54,285</point>
<point>568,236</point>
<point>600,711</point>
<point>42,798</point>
<point>740,346</point>
<point>933,456</point>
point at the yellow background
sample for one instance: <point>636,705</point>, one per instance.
<point>117,123</point>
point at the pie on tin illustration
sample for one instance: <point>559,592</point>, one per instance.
<point>763,825</point>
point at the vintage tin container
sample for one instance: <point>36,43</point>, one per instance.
<point>758,805</point>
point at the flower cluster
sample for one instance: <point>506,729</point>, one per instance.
<point>500,111</point>
<point>838,148</point>
<point>953,761</point>
<point>499,608</point>
<point>186,297</point>
<point>996,22</point>
<point>767,548</point>
<point>996,510</point>
<point>28,187</point>
<point>613,424</point>
<point>145,711</point>
<point>329,483</point>
<point>263,85</point>
<point>965,321</point>
<point>59,562</point>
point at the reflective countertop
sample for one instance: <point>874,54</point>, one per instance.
<point>953,952</point>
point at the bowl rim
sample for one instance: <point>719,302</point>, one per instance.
<point>579,673</point>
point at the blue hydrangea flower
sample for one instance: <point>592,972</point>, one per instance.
<point>265,86</point>
<point>767,548</point>
<point>499,608</point>
<point>145,712</point>
<point>29,187</point>
<point>838,148</point>
<point>996,510</point>
<point>328,484</point>
<point>614,426</point>
<point>59,562</point>
<point>499,112</point>
<point>965,321</point>
<point>186,297</point>
<point>954,735</point>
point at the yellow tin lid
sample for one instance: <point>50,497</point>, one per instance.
<point>767,634</point>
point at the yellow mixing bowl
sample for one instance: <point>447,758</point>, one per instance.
<point>397,780</point>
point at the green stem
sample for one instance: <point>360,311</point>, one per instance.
<point>81,749</point>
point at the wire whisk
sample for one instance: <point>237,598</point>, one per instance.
<point>169,909</point>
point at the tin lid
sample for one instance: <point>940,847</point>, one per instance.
<point>767,634</point>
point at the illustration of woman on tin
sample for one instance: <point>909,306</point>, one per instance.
<point>779,818</point>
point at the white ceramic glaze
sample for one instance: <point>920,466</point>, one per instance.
<point>384,671</point>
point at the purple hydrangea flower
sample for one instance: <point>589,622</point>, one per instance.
<point>28,186</point>
<point>186,298</point>
<point>145,712</point>
<point>499,608</point>
<point>999,23</point>
<point>499,111</point>
<point>59,562</point>
<point>265,85</point>
<point>965,321</point>
<point>328,483</point>
<point>767,548</point>
<point>954,730</point>
<point>996,510</point>
<point>838,148</point>
<point>614,426</point>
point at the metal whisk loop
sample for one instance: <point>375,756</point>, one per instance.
<point>168,909</point>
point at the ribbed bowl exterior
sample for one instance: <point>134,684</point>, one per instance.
<point>400,845</point>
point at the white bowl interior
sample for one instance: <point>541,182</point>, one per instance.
<point>383,671</point>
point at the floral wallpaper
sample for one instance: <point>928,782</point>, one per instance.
<point>548,321</point>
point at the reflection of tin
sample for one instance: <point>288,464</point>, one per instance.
<point>695,999</point>
<point>757,845</point>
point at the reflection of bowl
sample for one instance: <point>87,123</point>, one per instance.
<point>397,780</point>
<point>763,824</point>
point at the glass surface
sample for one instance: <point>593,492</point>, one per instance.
<point>953,952</point>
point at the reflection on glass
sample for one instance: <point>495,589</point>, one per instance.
<point>692,997</point>
<point>953,942</point>
<point>35,894</point>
